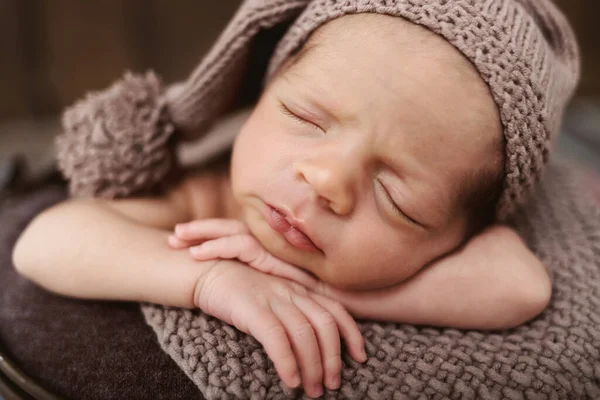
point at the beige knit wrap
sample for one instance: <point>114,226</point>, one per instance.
<point>555,356</point>
<point>119,142</point>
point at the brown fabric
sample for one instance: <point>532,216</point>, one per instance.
<point>554,356</point>
<point>524,49</point>
<point>73,348</point>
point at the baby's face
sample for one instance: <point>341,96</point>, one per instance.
<point>364,143</point>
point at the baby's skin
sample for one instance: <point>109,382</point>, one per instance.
<point>342,201</point>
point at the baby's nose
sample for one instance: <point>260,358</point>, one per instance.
<point>330,182</point>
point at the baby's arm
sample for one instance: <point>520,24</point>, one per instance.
<point>100,249</point>
<point>117,250</point>
<point>493,282</point>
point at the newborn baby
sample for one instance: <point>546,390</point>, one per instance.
<point>363,183</point>
<point>381,146</point>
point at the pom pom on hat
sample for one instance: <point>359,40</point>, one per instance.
<point>115,142</point>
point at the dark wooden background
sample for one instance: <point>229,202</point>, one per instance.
<point>53,51</point>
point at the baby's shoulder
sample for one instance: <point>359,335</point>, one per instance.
<point>202,190</point>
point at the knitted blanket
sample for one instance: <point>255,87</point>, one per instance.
<point>554,356</point>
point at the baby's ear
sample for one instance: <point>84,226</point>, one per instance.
<point>115,143</point>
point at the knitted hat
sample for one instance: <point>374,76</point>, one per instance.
<point>120,142</point>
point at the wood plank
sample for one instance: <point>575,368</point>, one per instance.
<point>53,51</point>
<point>88,45</point>
<point>184,32</point>
<point>583,15</point>
<point>14,98</point>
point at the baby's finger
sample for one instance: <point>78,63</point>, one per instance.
<point>247,249</point>
<point>328,336</point>
<point>346,326</point>
<point>270,332</point>
<point>177,243</point>
<point>272,265</point>
<point>305,345</point>
<point>242,247</point>
<point>209,228</point>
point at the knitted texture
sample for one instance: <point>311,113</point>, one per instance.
<point>114,143</point>
<point>523,49</point>
<point>554,356</point>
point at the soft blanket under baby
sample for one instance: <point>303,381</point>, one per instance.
<point>554,356</point>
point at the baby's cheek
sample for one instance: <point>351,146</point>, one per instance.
<point>346,276</point>
<point>340,281</point>
<point>369,276</point>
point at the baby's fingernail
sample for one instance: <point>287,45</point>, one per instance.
<point>363,355</point>
<point>295,381</point>
<point>180,228</point>
<point>334,382</point>
<point>196,250</point>
<point>318,391</point>
<point>174,241</point>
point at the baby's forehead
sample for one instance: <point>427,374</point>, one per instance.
<point>402,40</point>
<point>397,32</point>
<point>354,39</point>
<point>375,47</point>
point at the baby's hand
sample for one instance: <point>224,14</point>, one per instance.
<point>297,327</point>
<point>209,239</point>
<point>275,311</point>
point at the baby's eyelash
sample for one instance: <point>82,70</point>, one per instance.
<point>286,111</point>
<point>397,209</point>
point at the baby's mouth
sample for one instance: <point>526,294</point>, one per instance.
<point>294,235</point>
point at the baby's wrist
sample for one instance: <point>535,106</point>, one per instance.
<point>202,283</point>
